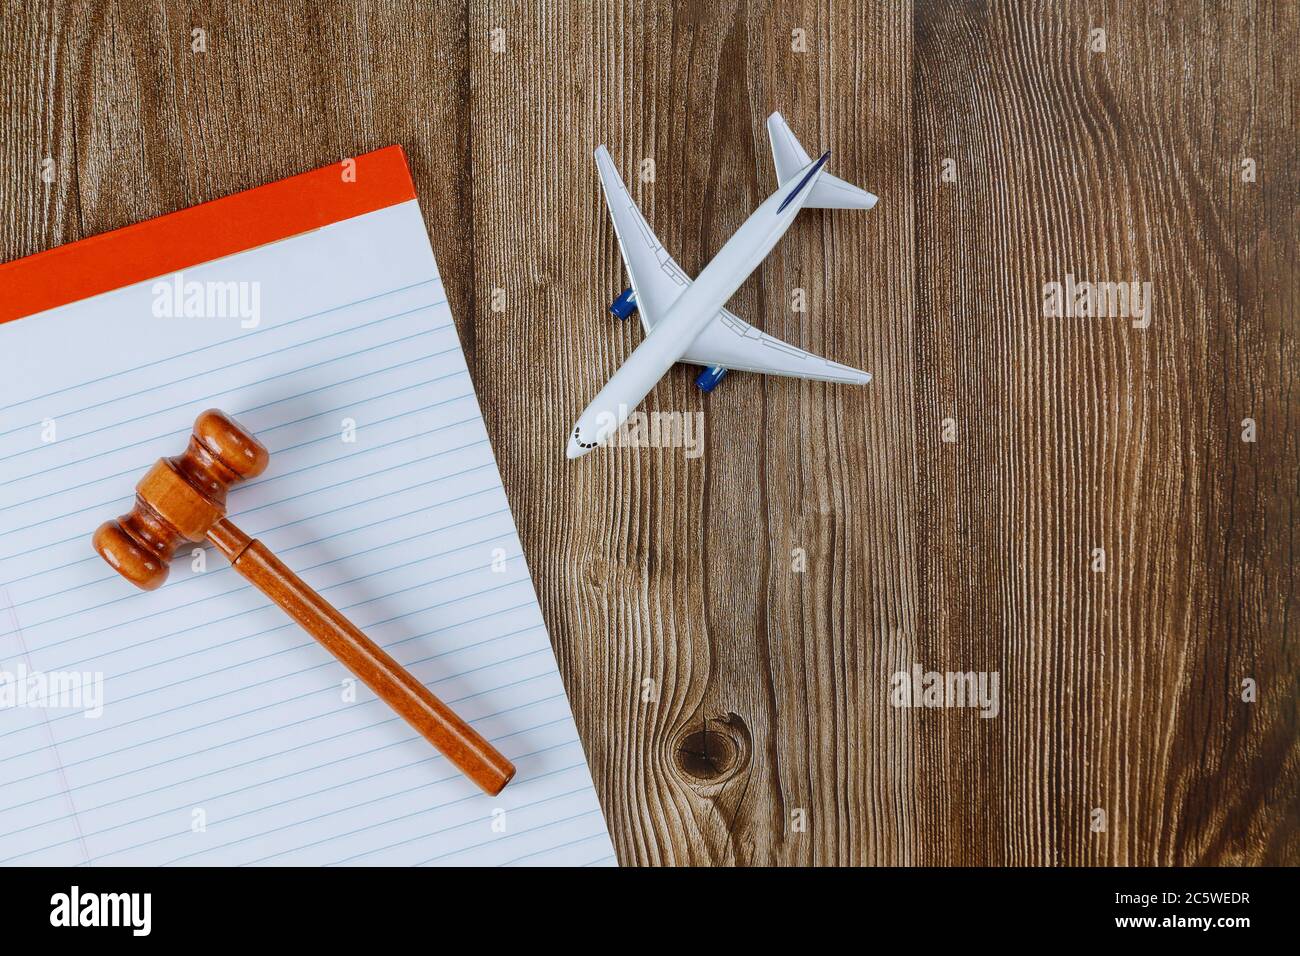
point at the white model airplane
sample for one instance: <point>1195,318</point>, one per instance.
<point>685,321</point>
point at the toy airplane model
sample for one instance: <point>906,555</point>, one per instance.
<point>685,321</point>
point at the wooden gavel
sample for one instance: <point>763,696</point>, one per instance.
<point>182,500</point>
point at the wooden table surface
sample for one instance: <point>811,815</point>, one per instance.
<point>728,625</point>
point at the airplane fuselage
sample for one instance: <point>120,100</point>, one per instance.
<point>688,316</point>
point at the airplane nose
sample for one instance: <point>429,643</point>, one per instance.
<point>574,450</point>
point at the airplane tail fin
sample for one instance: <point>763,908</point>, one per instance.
<point>790,158</point>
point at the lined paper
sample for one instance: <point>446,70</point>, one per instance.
<point>228,736</point>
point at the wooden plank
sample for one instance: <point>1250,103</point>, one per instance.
<point>140,123</point>
<point>1121,687</point>
<point>1238,801</point>
<point>38,189</point>
<point>667,577</point>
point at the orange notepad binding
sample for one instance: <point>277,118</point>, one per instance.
<point>205,232</point>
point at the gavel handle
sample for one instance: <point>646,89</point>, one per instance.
<point>437,722</point>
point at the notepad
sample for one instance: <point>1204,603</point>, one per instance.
<point>313,312</point>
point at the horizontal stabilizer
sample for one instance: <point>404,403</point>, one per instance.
<point>831,192</point>
<point>791,159</point>
<point>788,156</point>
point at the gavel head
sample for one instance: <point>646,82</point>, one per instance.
<point>179,499</point>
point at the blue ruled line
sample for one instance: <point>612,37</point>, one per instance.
<point>204,348</point>
<point>271,730</point>
<point>223,368</point>
<point>203,399</point>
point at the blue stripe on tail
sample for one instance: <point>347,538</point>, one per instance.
<point>804,182</point>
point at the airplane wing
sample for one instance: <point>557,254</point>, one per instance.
<point>734,344</point>
<point>658,280</point>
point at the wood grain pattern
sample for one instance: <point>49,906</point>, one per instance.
<point>736,710</point>
<point>1124,687</point>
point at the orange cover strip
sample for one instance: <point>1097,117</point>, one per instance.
<point>202,233</point>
